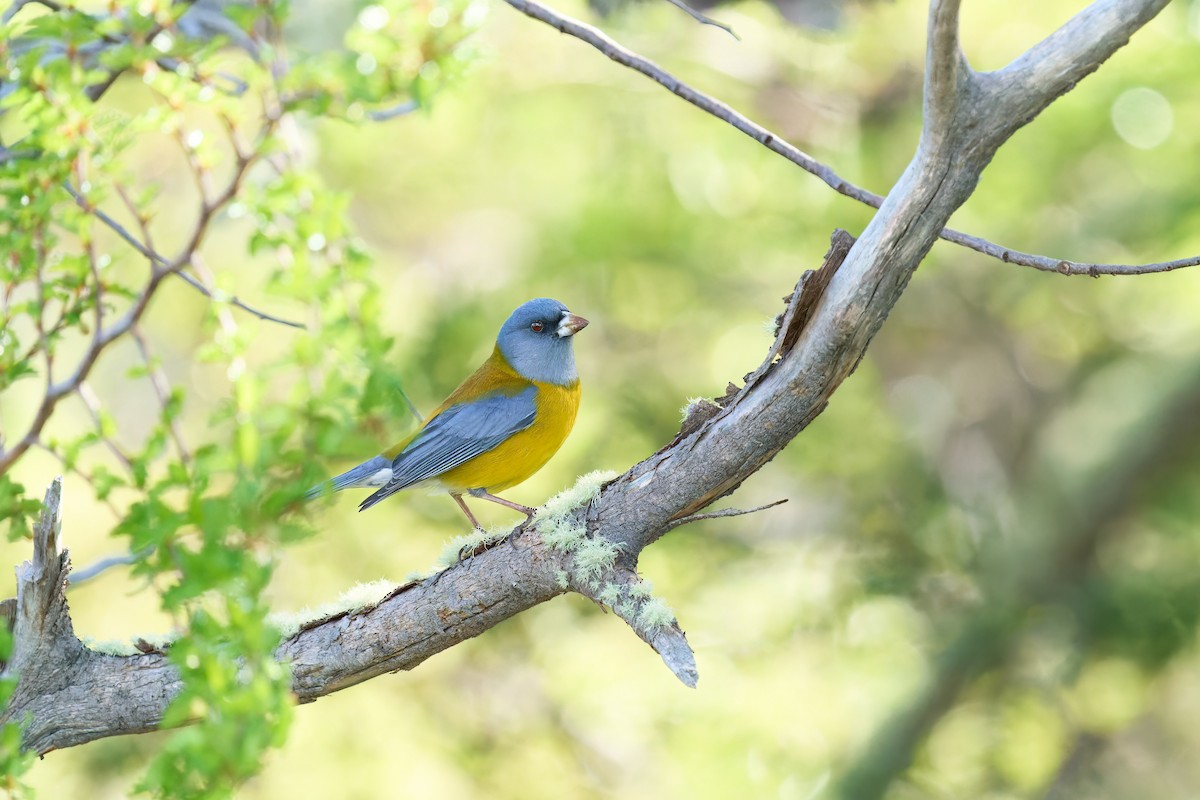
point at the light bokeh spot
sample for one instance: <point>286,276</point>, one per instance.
<point>1143,118</point>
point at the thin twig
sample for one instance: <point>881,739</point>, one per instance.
<point>8,154</point>
<point>412,407</point>
<point>162,389</point>
<point>13,10</point>
<point>704,19</point>
<point>725,113</point>
<point>146,245</point>
<point>398,110</point>
<point>710,105</point>
<point>158,273</point>
<point>158,261</point>
<point>89,244</point>
<point>91,571</point>
<point>39,321</point>
<point>1062,266</point>
<point>92,403</point>
<point>725,512</point>
<point>88,477</point>
<point>200,173</point>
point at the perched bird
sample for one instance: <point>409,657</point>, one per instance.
<point>496,429</point>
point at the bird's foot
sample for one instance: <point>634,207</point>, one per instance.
<point>484,543</point>
<point>517,531</point>
<point>467,551</point>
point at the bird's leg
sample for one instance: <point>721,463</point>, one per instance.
<point>467,549</point>
<point>474,522</point>
<point>483,494</point>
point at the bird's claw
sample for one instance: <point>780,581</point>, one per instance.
<point>472,549</point>
<point>516,533</point>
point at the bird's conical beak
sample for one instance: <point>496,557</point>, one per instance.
<point>571,324</point>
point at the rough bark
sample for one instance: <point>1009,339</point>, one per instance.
<point>71,695</point>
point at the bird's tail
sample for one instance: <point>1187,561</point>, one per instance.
<point>369,474</point>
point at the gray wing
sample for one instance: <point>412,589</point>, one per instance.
<point>457,435</point>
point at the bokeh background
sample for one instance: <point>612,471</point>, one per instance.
<point>999,412</point>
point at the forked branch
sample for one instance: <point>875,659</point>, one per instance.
<point>722,111</point>
<point>821,339</point>
<point>160,270</point>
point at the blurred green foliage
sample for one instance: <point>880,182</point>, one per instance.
<point>998,411</point>
<point>14,762</point>
<point>206,513</point>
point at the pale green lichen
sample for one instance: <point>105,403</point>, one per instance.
<point>359,596</point>
<point>109,647</point>
<point>655,614</point>
<point>610,595</point>
<point>461,545</point>
<point>585,490</point>
<point>593,558</point>
<point>112,647</point>
<point>562,531</point>
<point>625,609</point>
<point>555,520</point>
<point>562,579</point>
<point>688,408</point>
<point>641,590</point>
<point>563,534</point>
<point>287,623</point>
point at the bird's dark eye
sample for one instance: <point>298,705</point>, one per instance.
<point>536,327</point>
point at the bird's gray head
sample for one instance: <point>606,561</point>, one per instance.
<point>536,341</point>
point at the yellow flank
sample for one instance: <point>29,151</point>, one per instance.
<point>522,454</point>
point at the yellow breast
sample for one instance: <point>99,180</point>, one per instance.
<point>524,453</point>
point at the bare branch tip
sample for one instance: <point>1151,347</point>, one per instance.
<point>725,512</point>
<point>399,110</point>
<point>704,19</point>
<point>75,579</point>
<point>49,525</point>
<point>673,648</point>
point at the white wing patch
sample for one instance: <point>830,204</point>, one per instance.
<point>380,478</point>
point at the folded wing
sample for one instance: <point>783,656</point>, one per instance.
<point>457,435</point>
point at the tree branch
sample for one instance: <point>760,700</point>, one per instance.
<point>710,105</point>
<point>411,624</point>
<point>594,548</point>
<point>1054,65</point>
<point>702,18</point>
<point>722,514</point>
<point>90,695</point>
<point>97,568</point>
<point>147,251</point>
<point>102,338</point>
<point>42,621</point>
<point>1008,99</point>
<point>398,110</point>
<point>946,69</point>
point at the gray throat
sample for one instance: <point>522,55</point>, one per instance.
<point>542,361</point>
